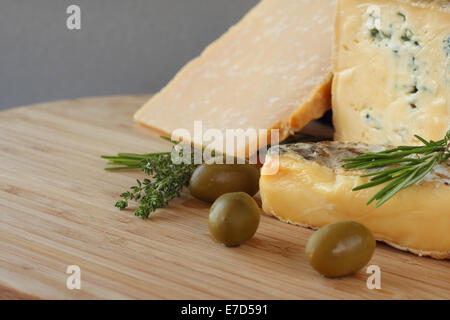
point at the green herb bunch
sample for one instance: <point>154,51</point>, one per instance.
<point>167,179</point>
<point>407,165</point>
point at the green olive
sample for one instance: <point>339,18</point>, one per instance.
<point>210,181</point>
<point>340,249</point>
<point>233,218</point>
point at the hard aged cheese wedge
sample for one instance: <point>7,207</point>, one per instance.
<point>312,189</point>
<point>391,71</point>
<point>271,70</point>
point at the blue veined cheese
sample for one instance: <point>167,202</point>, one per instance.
<point>391,70</point>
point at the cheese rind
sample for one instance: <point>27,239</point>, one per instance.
<point>270,71</point>
<point>312,189</point>
<point>391,71</point>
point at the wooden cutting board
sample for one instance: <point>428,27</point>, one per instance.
<point>57,209</point>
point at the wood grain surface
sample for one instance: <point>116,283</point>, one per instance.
<point>57,209</point>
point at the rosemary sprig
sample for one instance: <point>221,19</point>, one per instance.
<point>410,165</point>
<point>166,183</point>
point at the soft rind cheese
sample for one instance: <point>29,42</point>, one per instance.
<point>391,71</point>
<point>312,189</point>
<point>270,71</point>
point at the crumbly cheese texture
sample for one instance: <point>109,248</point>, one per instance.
<point>312,189</point>
<point>270,71</point>
<point>391,71</point>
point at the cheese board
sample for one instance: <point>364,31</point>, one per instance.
<point>57,210</point>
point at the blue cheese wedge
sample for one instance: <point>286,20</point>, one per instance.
<point>391,70</point>
<point>312,189</point>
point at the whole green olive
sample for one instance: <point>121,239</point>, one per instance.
<point>340,249</point>
<point>234,218</point>
<point>210,181</point>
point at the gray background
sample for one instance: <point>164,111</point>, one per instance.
<point>123,47</point>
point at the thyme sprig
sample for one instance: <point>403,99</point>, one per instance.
<point>167,179</point>
<point>408,165</point>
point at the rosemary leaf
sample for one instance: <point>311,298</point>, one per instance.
<point>401,171</point>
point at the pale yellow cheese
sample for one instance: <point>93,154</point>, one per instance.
<point>271,70</point>
<point>311,189</point>
<point>391,71</point>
